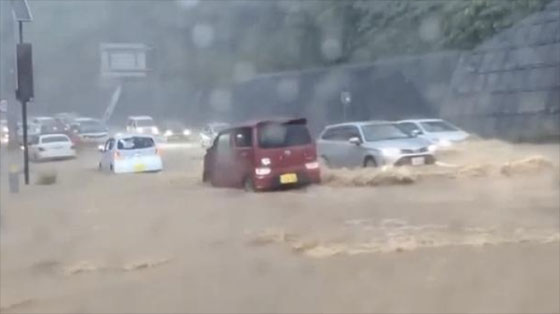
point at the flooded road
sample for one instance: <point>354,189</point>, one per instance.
<point>483,241</point>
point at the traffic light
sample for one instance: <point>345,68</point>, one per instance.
<point>24,72</point>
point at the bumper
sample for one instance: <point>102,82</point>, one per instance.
<point>146,164</point>
<point>409,160</point>
<point>56,154</point>
<point>272,181</point>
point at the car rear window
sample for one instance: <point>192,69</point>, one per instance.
<point>145,122</point>
<point>54,139</point>
<point>438,126</point>
<point>91,126</point>
<point>136,142</point>
<point>277,135</point>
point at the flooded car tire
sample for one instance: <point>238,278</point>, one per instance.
<point>205,177</point>
<point>249,185</point>
<point>324,162</point>
<point>369,162</point>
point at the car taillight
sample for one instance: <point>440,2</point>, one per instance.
<point>158,152</point>
<point>312,165</point>
<point>263,171</point>
<point>117,155</point>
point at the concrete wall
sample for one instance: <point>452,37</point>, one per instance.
<point>388,89</point>
<point>509,87</point>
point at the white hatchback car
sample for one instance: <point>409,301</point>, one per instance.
<point>51,146</point>
<point>126,153</point>
<point>142,124</point>
<point>440,132</point>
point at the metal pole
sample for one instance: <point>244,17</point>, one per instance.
<point>20,32</point>
<point>24,122</point>
<point>25,148</point>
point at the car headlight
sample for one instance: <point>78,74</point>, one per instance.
<point>155,130</point>
<point>168,133</point>
<point>140,130</point>
<point>4,129</point>
<point>445,143</point>
<point>265,161</point>
<point>390,151</point>
<point>186,132</point>
<point>432,148</point>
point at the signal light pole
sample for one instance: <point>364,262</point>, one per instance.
<point>24,92</point>
<point>23,100</point>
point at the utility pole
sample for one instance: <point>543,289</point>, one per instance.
<point>24,119</point>
<point>24,63</point>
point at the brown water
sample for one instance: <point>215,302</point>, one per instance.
<point>445,241</point>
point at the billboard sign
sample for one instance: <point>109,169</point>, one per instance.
<point>123,59</point>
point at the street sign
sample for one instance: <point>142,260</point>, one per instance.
<point>123,60</point>
<point>345,98</point>
<point>21,11</point>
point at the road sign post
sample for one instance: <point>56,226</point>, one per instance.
<point>24,91</point>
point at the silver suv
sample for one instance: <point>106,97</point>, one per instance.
<point>372,144</point>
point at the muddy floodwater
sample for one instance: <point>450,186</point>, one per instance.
<point>479,232</point>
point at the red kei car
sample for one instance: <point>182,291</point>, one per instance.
<point>263,155</point>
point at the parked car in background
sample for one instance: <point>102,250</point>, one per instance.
<point>372,144</point>
<point>210,131</point>
<point>4,132</point>
<point>176,131</point>
<point>142,124</point>
<point>439,131</point>
<point>33,130</point>
<point>89,131</point>
<point>51,146</point>
<point>127,153</point>
<point>66,118</point>
<point>262,155</point>
<point>50,125</point>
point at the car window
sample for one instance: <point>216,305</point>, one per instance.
<point>409,127</point>
<point>135,142</point>
<point>91,126</point>
<point>223,142</point>
<point>243,137</point>
<point>343,133</point>
<point>350,132</point>
<point>54,139</point>
<point>381,132</point>
<point>438,126</point>
<point>109,144</point>
<point>145,122</point>
<point>277,135</point>
<point>330,134</point>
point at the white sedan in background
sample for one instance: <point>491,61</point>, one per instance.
<point>51,146</point>
<point>126,153</point>
<point>440,132</point>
